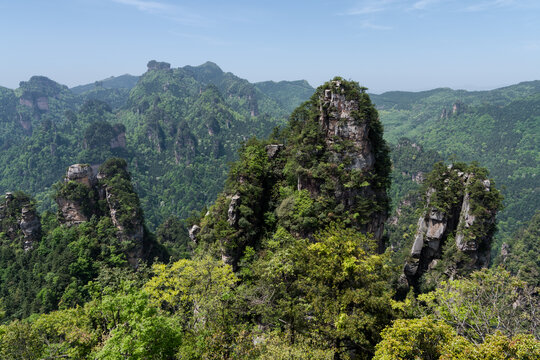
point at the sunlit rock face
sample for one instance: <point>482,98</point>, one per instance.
<point>75,208</point>
<point>347,125</point>
<point>334,161</point>
<point>458,223</point>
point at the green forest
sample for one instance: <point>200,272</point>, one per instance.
<point>190,214</point>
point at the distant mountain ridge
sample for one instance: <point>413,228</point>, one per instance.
<point>125,81</point>
<point>287,93</point>
<point>498,95</point>
<point>177,128</point>
<point>180,116</point>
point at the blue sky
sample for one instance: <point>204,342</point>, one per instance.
<point>384,45</point>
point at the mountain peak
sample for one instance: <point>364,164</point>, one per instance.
<point>158,65</point>
<point>211,66</point>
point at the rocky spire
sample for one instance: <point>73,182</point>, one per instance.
<point>455,231</point>
<point>109,193</point>
<point>333,168</point>
<point>19,220</point>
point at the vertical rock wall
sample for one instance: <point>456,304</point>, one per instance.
<point>115,191</point>
<point>19,220</point>
<point>458,217</point>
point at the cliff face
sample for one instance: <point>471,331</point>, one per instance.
<point>34,100</point>
<point>352,137</point>
<point>333,166</point>
<point>76,201</point>
<point>124,210</point>
<point>455,231</point>
<point>19,220</point>
<point>108,193</point>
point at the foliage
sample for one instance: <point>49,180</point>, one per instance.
<point>497,128</point>
<point>182,128</point>
<point>427,338</point>
<point>200,294</point>
<point>333,292</point>
<point>117,325</point>
<point>523,259</point>
<point>489,301</point>
<point>422,338</point>
<point>172,234</point>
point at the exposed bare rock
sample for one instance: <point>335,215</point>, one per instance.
<point>273,149</point>
<point>233,210</point>
<point>458,108</point>
<point>444,114</point>
<point>347,135</point>
<point>337,121</point>
<point>42,103</point>
<point>193,232</point>
<point>419,177</point>
<point>26,124</point>
<point>472,233</point>
<point>466,240</point>
<point>19,220</point>
<point>128,231</point>
<point>30,226</point>
<point>72,212</point>
<point>81,173</point>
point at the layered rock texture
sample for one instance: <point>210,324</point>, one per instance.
<point>107,193</point>
<point>19,221</point>
<point>455,231</point>
<point>353,138</point>
<point>330,165</point>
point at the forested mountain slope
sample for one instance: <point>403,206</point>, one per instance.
<point>177,128</point>
<point>499,128</point>
<point>114,82</point>
<point>289,261</point>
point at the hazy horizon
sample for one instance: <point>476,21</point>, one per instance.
<point>385,45</point>
<point>465,87</point>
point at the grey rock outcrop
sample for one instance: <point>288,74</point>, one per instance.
<point>81,173</point>
<point>126,218</point>
<point>232,213</point>
<point>127,231</point>
<point>340,122</point>
<point>273,149</point>
<point>19,220</point>
<point>193,232</point>
<point>73,210</point>
<point>30,226</point>
<point>471,248</point>
<point>337,121</point>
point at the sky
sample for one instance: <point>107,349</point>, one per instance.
<point>385,45</point>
